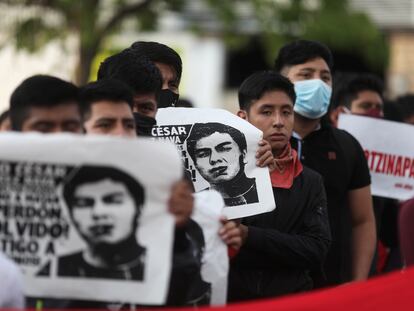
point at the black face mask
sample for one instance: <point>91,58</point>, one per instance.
<point>144,124</point>
<point>167,98</point>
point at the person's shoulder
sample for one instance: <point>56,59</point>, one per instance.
<point>311,175</point>
<point>343,135</point>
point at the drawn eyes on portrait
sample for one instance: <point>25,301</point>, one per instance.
<point>224,147</point>
<point>114,198</point>
<point>109,199</point>
<point>202,153</point>
<point>82,202</point>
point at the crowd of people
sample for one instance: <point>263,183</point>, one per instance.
<point>325,228</point>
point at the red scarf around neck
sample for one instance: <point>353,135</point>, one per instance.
<point>287,168</point>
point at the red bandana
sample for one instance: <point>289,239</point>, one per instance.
<point>287,168</point>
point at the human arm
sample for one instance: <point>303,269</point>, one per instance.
<point>181,202</point>
<point>363,231</point>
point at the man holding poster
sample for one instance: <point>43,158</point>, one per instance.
<point>282,246</point>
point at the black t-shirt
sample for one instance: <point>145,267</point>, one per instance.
<point>340,159</point>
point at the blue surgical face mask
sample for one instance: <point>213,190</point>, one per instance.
<point>312,98</point>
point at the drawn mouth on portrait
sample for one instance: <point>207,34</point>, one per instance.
<point>219,171</point>
<point>101,231</point>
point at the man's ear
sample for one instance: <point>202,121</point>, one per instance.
<point>334,115</point>
<point>242,114</point>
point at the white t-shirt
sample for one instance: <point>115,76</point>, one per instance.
<point>11,290</point>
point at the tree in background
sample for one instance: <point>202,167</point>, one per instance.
<point>332,22</point>
<point>92,22</point>
<point>37,22</point>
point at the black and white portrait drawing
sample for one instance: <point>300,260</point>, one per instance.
<point>91,220</point>
<point>104,204</point>
<point>218,150</point>
<point>219,154</point>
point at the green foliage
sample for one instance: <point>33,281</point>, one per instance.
<point>278,21</point>
<point>332,22</point>
<point>32,34</point>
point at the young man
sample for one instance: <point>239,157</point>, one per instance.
<point>50,105</point>
<point>337,156</point>
<point>140,74</point>
<point>106,108</point>
<point>169,64</point>
<point>45,104</point>
<point>280,247</point>
<point>359,94</point>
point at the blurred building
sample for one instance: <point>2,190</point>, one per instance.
<point>396,19</point>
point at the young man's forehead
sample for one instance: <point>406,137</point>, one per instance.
<point>310,64</point>
<point>273,98</point>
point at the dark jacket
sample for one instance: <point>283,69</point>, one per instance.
<point>282,246</point>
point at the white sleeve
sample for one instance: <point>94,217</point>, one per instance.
<point>11,293</point>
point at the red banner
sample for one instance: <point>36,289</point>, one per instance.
<point>394,291</point>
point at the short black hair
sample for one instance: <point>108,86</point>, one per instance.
<point>184,103</point>
<point>91,174</point>
<point>348,85</point>
<point>3,116</point>
<point>259,83</point>
<point>201,130</point>
<point>300,52</point>
<point>107,89</point>
<point>139,73</point>
<point>160,53</point>
<point>39,91</point>
<point>406,105</point>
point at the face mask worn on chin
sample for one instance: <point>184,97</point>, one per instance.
<point>372,113</point>
<point>144,124</point>
<point>167,98</point>
<point>312,98</point>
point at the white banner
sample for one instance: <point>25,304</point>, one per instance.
<point>215,262</point>
<point>389,149</point>
<point>86,217</point>
<point>219,152</point>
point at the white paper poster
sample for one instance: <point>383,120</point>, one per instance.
<point>219,152</point>
<point>215,262</point>
<point>86,217</point>
<point>389,149</point>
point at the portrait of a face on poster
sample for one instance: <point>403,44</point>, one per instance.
<point>219,153</point>
<point>86,217</point>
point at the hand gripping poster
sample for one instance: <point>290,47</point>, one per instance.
<point>86,218</point>
<point>219,153</point>
<point>212,250</point>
